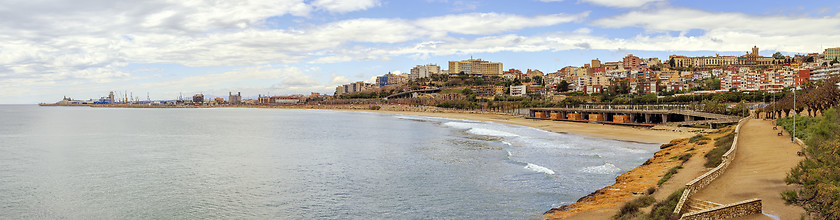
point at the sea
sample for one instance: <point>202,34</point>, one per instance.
<point>248,163</point>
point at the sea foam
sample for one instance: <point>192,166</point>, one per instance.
<point>539,168</point>
<point>410,118</point>
<point>461,125</point>
<point>607,168</point>
<point>491,132</point>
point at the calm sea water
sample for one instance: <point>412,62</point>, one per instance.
<point>100,163</point>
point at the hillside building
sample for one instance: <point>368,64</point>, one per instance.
<point>475,67</point>
<point>423,71</point>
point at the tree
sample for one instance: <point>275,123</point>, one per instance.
<point>778,55</point>
<point>467,91</point>
<point>563,86</point>
<point>819,173</point>
<point>537,80</point>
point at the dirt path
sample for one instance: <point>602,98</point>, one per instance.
<point>758,171</point>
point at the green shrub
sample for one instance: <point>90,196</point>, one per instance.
<point>668,175</point>
<point>651,190</point>
<point>819,173</point>
<point>722,145</point>
<point>665,208</point>
<point>685,157</point>
<point>802,125</point>
<point>697,138</point>
<point>375,107</point>
<point>459,104</point>
<point>631,208</point>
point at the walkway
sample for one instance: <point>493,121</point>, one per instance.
<point>761,163</point>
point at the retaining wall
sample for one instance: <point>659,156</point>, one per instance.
<point>734,210</point>
<point>707,178</point>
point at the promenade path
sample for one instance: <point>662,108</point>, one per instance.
<point>761,163</point>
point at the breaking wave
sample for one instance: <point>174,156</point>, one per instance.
<point>461,125</point>
<point>607,168</point>
<point>490,132</point>
<point>539,168</point>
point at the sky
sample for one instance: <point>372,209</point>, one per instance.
<point>161,49</point>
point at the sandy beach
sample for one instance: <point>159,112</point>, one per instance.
<point>615,132</point>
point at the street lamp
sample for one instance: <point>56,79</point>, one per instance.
<point>793,137</point>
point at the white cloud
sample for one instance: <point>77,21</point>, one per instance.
<point>726,31</point>
<point>338,80</point>
<point>614,3</point>
<point>342,6</point>
<point>621,3</point>
<point>492,23</point>
<point>88,42</point>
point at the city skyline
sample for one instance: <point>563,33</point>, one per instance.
<point>84,49</point>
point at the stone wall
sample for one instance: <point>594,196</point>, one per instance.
<point>738,209</point>
<point>707,178</point>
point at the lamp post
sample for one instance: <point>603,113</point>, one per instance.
<point>793,137</point>
<point>774,109</point>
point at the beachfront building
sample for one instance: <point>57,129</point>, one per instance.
<point>423,71</point>
<point>475,67</point>
<point>391,79</point>
<point>353,88</point>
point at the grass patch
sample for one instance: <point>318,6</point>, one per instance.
<point>665,208</point>
<point>668,175</point>
<point>631,208</point>
<point>685,157</point>
<point>702,143</point>
<point>697,138</point>
<point>662,210</point>
<point>722,145</point>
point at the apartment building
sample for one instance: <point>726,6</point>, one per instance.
<point>475,67</point>
<point>832,53</point>
<point>423,71</point>
<point>353,88</point>
<point>391,79</point>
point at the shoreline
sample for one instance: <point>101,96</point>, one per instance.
<point>604,199</point>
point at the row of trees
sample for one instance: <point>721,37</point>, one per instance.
<point>819,173</point>
<point>815,96</point>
